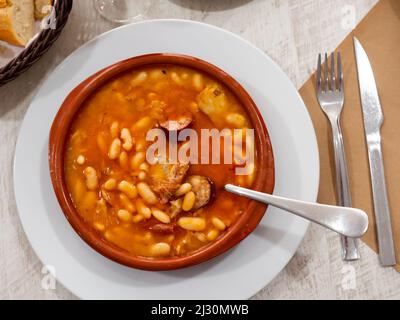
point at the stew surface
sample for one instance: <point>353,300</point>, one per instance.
<point>163,209</point>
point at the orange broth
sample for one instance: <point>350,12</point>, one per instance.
<point>138,101</point>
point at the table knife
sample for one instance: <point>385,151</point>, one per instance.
<point>373,120</point>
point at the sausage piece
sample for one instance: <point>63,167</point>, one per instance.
<point>162,228</point>
<point>165,179</point>
<point>203,189</point>
<point>177,123</point>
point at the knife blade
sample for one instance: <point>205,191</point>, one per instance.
<point>373,120</point>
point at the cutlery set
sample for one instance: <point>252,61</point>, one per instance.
<point>349,222</point>
<point>330,94</point>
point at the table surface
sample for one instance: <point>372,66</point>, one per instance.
<point>291,32</point>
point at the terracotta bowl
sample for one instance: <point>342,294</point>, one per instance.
<point>237,232</point>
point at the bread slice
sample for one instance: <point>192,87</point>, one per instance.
<point>17,23</point>
<point>42,8</point>
<point>4,3</point>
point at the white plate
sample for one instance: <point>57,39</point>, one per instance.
<point>242,271</point>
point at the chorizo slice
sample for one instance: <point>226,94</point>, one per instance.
<point>163,228</point>
<point>177,123</point>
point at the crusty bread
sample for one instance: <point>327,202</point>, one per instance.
<point>17,23</point>
<point>41,8</point>
<point>4,3</point>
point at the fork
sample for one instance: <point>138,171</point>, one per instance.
<point>330,94</point>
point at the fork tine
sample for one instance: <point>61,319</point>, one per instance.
<point>340,72</point>
<point>326,73</point>
<point>319,73</point>
<point>333,77</point>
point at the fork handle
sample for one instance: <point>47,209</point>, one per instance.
<point>350,249</point>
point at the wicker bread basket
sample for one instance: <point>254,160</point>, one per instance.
<point>39,45</point>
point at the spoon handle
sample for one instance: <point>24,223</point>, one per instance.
<point>349,222</point>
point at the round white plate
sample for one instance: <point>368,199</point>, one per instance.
<point>242,271</point>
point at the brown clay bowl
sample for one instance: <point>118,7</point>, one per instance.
<point>242,228</point>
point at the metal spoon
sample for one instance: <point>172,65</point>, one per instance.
<point>349,222</point>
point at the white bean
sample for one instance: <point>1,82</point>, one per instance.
<point>160,215</point>
<point>128,188</point>
<point>212,235</point>
<point>198,82</point>
<point>92,181</point>
<point>142,124</point>
<point>160,249</point>
<point>144,167</point>
<point>192,223</point>
<point>175,77</point>
<point>236,119</point>
<point>115,149</point>
<point>137,159</point>
<point>218,223</point>
<point>183,189</point>
<point>188,201</point>
<point>146,193</point>
<point>123,159</point>
<point>80,160</point>
<point>126,203</point>
<point>99,226</point>
<point>137,218</point>
<point>142,175</point>
<point>114,129</point>
<point>143,209</point>
<point>127,139</point>
<point>156,74</point>
<point>124,215</point>
<point>110,184</point>
<point>139,78</point>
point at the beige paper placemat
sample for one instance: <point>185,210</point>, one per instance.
<point>379,33</point>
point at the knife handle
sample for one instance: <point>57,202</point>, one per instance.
<point>387,253</point>
<point>350,250</point>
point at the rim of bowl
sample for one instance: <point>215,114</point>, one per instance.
<point>247,222</point>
